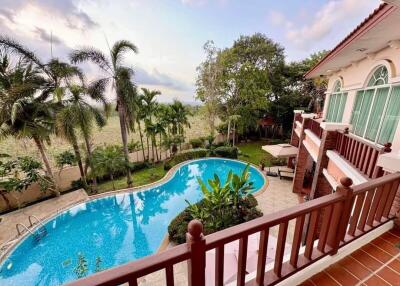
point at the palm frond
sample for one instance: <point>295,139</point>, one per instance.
<point>10,44</point>
<point>93,55</point>
<point>119,49</point>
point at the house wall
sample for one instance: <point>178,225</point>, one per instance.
<point>355,76</point>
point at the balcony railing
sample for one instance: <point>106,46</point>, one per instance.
<point>362,154</point>
<point>335,220</point>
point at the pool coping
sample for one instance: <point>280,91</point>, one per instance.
<point>165,242</point>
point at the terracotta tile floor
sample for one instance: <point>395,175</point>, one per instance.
<point>376,263</point>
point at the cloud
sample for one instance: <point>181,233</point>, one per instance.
<point>156,78</point>
<point>326,20</point>
<point>47,37</point>
<point>194,2</point>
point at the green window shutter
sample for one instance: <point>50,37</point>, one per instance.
<point>364,111</point>
<point>336,107</point>
<point>331,103</point>
<point>342,105</point>
<point>376,113</point>
<point>356,109</point>
<point>391,117</point>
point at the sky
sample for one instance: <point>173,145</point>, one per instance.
<point>170,34</point>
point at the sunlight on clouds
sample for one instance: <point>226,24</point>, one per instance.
<point>327,19</point>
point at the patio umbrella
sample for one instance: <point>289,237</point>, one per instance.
<point>281,150</point>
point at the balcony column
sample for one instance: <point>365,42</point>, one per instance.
<point>320,185</point>
<point>294,139</point>
<point>301,160</point>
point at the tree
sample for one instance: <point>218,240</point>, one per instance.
<point>121,77</point>
<point>79,115</point>
<point>107,161</point>
<point>179,118</point>
<point>25,92</point>
<point>149,108</point>
<point>208,90</point>
<point>16,175</point>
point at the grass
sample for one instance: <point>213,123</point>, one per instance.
<point>250,152</point>
<point>140,178</point>
<point>253,153</point>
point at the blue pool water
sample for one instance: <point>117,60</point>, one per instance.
<point>117,229</point>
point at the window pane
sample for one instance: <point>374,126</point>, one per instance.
<point>376,113</point>
<point>391,118</point>
<point>331,103</point>
<point>341,107</point>
<point>364,111</point>
<point>356,108</point>
<point>336,107</point>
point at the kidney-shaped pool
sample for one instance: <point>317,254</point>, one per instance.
<point>112,230</point>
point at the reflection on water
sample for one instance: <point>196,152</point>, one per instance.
<point>118,229</point>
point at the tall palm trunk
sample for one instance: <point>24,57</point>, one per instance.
<point>160,147</point>
<point>46,162</point>
<point>152,149</point>
<point>148,147</point>
<point>124,135</point>
<point>228,138</point>
<point>89,153</point>
<point>234,134</point>
<point>155,146</point>
<point>79,159</point>
<point>141,138</point>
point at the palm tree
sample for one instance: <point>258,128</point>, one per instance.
<point>28,88</point>
<point>140,115</point>
<point>149,107</point>
<point>180,120</point>
<point>125,90</point>
<point>22,115</point>
<point>107,161</point>
<point>79,114</point>
<point>151,133</point>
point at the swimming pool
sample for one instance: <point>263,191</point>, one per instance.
<point>112,230</point>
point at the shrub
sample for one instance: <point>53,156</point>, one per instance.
<point>133,146</point>
<point>65,158</point>
<point>184,156</point>
<point>224,205</point>
<point>197,143</point>
<point>178,227</point>
<point>226,152</point>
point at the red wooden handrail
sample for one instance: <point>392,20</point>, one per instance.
<point>335,220</point>
<point>363,155</point>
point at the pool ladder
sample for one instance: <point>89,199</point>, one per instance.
<point>39,234</point>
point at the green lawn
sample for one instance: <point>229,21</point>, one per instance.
<point>250,152</point>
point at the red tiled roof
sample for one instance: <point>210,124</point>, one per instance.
<point>364,26</point>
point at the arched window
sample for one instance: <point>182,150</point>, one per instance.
<point>376,109</point>
<point>336,103</point>
<point>379,76</point>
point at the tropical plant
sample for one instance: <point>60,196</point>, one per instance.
<point>107,161</point>
<point>65,158</point>
<point>224,204</point>
<point>149,107</point>
<point>121,80</point>
<point>77,114</point>
<point>16,175</point>
<point>27,90</point>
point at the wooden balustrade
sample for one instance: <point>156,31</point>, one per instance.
<point>362,154</point>
<point>297,117</point>
<point>335,220</point>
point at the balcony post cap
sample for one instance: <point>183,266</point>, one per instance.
<point>298,111</point>
<point>195,229</point>
<point>334,126</point>
<point>346,182</point>
<point>388,147</point>
<point>309,115</point>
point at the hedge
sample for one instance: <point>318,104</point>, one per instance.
<point>184,156</point>
<point>226,152</point>
<point>197,143</point>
